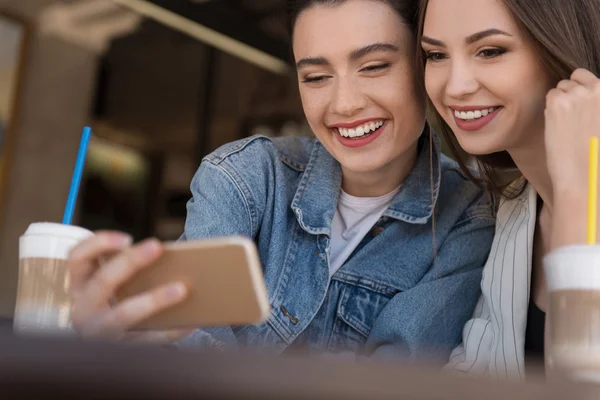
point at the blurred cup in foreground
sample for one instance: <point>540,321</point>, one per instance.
<point>43,303</point>
<point>573,279</point>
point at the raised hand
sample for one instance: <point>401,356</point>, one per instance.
<point>98,267</point>
<point>572,117</point>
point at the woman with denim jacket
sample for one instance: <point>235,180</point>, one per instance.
<point>506,81</point>
<point>371,241</point>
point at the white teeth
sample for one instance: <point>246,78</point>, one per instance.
<point>361,130</point>
<point>471,115</point>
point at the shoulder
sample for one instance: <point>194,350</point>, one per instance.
<point>453,174</point>
<point>257,151</point>
<point>523,202</point>
<point>458,190</point>
<point>259,165</point>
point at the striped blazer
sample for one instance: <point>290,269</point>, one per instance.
<point>494,339</point>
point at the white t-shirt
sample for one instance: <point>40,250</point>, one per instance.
<point>353,219</point>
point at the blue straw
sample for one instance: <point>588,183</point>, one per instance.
<point>77,173</point>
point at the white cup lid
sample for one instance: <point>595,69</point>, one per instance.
<point>54,229</point>
<point>47,239</point>
<point>575,267</point>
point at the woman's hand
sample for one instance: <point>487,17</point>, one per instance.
<point>98,267</point>
<point>572,117</point>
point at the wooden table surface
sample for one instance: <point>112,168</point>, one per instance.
<point>45,367</point>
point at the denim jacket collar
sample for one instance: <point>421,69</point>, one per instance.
<point>317,195</point>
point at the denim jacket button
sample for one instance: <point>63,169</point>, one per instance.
<point>376,231</point>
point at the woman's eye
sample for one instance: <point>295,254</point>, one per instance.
<point>376,67</point>
<point>491,53</point>
<point>434,56</point>
<point>314,79</point>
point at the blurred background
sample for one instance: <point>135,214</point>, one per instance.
<point>161,82</point>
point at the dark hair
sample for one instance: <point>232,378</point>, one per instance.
<point>407,9</point>
<point>566,36</point>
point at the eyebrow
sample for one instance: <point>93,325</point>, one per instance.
<point>306,62</point>
<point>470,39</point>
<point>483,34</point>
<point>355,55</point>
<point>373,48</point>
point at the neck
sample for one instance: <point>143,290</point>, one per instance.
<point>530,158</point>
<point>383,180</point>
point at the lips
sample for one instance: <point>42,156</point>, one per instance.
<point>474,118</point>
<point>469,115</point>
<point>375,129</point>
<point>360,130</point>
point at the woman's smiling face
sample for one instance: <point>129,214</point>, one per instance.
<point>357,77</point>
<point>483,75</point>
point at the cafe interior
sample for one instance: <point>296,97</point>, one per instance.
<point>162,83</point>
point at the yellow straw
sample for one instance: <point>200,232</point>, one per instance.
<point>592,191</point>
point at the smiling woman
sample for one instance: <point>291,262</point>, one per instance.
<point>357,77</point>
<point>533,65</point>
<point>371,241</point>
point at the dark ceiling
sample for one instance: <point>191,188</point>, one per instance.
<point>258,23</point>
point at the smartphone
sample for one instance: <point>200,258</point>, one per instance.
<point>224,279</point>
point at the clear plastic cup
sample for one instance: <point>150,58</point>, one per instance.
<point>43,304</point>
<point>573,280</point>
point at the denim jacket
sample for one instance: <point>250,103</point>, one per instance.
<point>389,297</point>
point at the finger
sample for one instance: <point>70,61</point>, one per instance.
<point>584,77</point>
<point>567,85</point>
<point>110,276</point>
<point>83,258</point>
<point>552,96</point>
<point>134,310</point>
<point>158,337</point>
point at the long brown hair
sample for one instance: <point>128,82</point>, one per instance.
<point>566,36</point>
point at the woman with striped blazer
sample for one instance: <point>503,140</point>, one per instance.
<point>515,83</point>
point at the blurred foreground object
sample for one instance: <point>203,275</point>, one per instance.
<point>44,367</point>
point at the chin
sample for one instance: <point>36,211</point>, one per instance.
<point>360,167</point>
<point>481,146</point>
<point>478,151</point>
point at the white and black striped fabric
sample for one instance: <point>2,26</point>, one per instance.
<point>494,339</point>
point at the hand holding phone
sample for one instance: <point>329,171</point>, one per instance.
<point>157,292</point>
<point>224,281</point>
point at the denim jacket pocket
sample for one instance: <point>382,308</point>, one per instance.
<point>356,312</point>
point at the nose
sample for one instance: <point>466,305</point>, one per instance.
<point>348,99</point>
<point>462,82</point>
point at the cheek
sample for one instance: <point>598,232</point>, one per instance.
<point>434,85</point>
<point>398,94</point>
<point>313,105</point>
<point>388,94</point>
<point>538,84</point>
<point>533,104</point>
<point>520,85</point>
